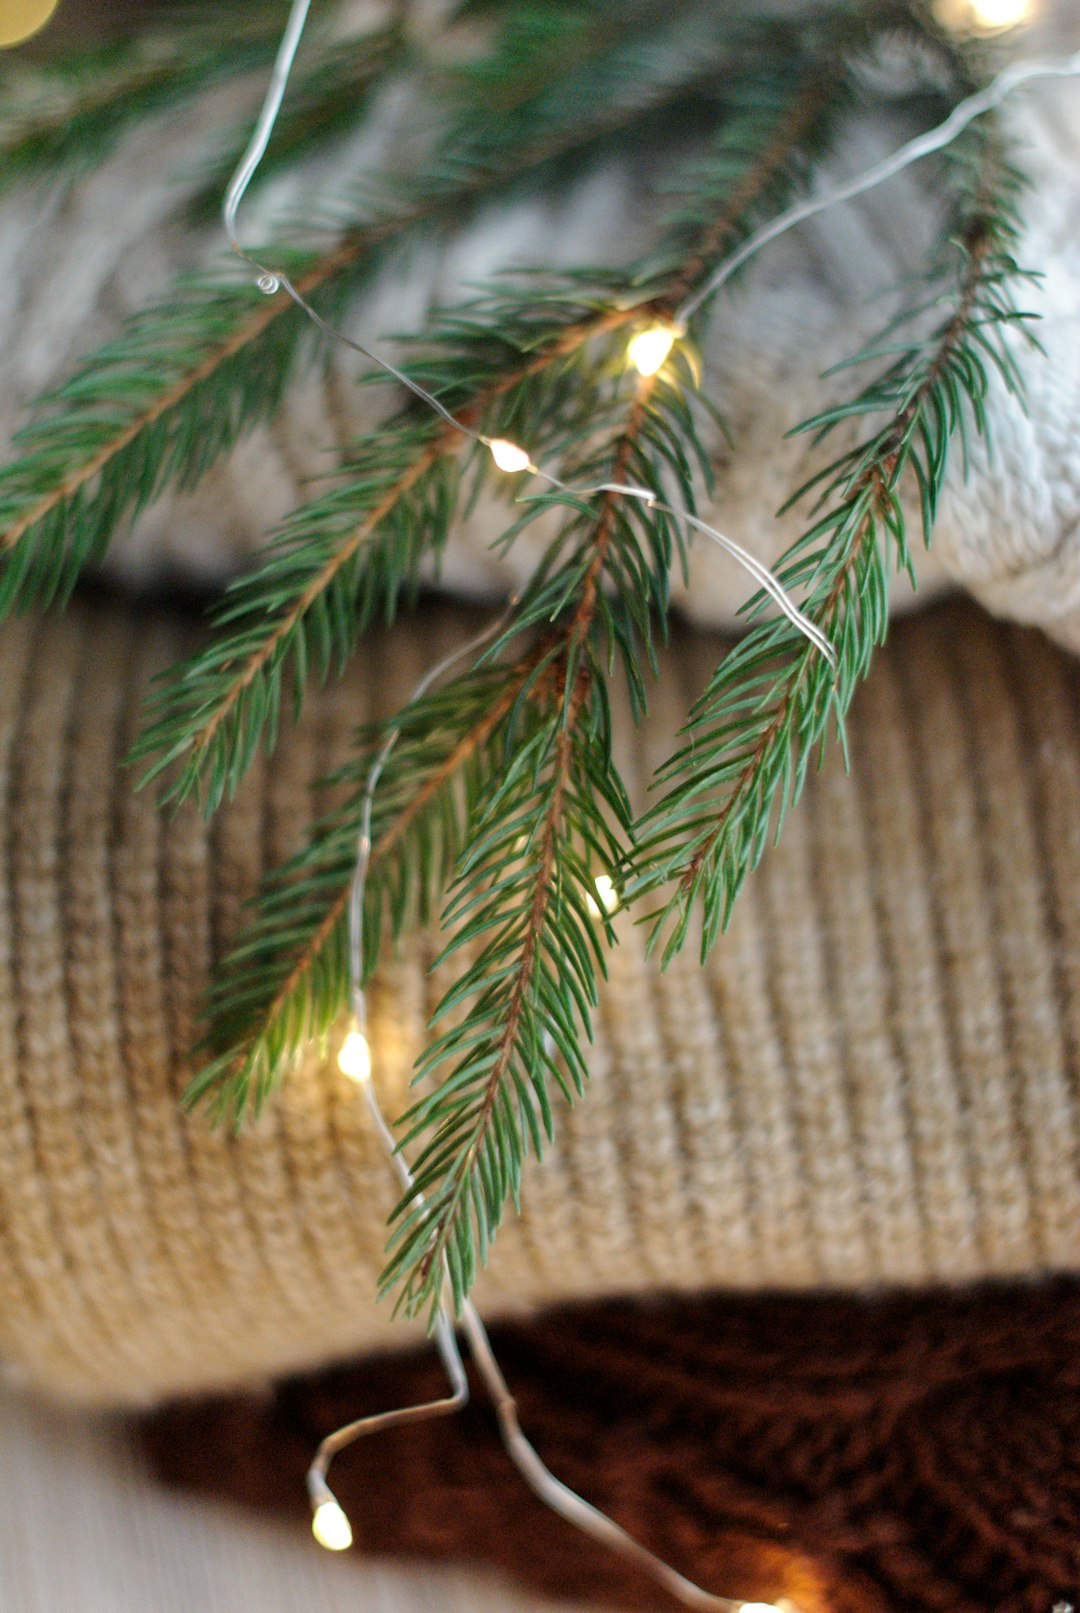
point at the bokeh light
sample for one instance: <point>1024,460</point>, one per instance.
<point>21,18</point>
<point>985,16</point>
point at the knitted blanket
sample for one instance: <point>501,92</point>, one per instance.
<point>898,1455</point>
<point>874,1079</point>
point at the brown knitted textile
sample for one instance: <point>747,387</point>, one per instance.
<point>875,1078</point>
<point>899,1455</point>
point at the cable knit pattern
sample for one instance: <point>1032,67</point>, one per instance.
<point>908,1454</point>
<point>875,1078</point>
<point>73,262</point>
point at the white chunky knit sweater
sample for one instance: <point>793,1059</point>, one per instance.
<point>72,264</point>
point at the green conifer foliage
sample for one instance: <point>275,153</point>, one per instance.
<point>502,802</point>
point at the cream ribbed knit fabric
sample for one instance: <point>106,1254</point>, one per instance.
<point>72,263</point>
<point>876,1078</point>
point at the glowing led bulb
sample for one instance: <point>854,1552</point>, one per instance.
<point>354,1060</point>
<point>508,456</point>
<point>987,16</point>
<point>608,896</point>
<point>331,1527</point>
<point>1001,13</point>
<point>648,350</point>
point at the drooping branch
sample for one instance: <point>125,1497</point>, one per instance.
<point>751,736</point>
<point>469,1161</point>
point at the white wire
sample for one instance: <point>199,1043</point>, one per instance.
<point>923,145</point>
<point>264,126</point>
<point>749,562</point>
<point>558,1496</point>
<point>551,1490</point>
<point>272,281</point>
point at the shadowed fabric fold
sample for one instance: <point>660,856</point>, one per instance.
<point>873,1080</point>
<point>895,1455</point>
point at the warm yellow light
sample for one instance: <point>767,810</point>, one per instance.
<point>354,1060</point>
<point>508,456</point>
<point>608,895</point>
<point>986,16</point>
<point>649,349</point>
<point>21,18</point>
<point>759,1607</point>
<point>1001,13</point>
<point>331,1527</point>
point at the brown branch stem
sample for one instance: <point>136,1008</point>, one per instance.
<point>876,479</point>
<point>446,441</point>
<point>543,882</point>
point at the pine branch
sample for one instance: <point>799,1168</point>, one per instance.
<point>524,888</point>
<point>287,978</point>
<point>525,884</point>
<point>751,736</point>
<point>156,406</point>
<point>346,557</point>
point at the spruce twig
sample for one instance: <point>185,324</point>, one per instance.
<point>501,801</point>
<point>751,736</point>
<point>531,989</point>
<point>505,345</point>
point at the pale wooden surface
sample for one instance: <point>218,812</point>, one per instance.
<point>83,1531</point>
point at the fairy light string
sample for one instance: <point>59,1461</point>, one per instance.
<point>915,150</point>
<point>648,351</point>
<point>330,1524</point>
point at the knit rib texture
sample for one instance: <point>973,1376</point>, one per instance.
<point>873,1080</point>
